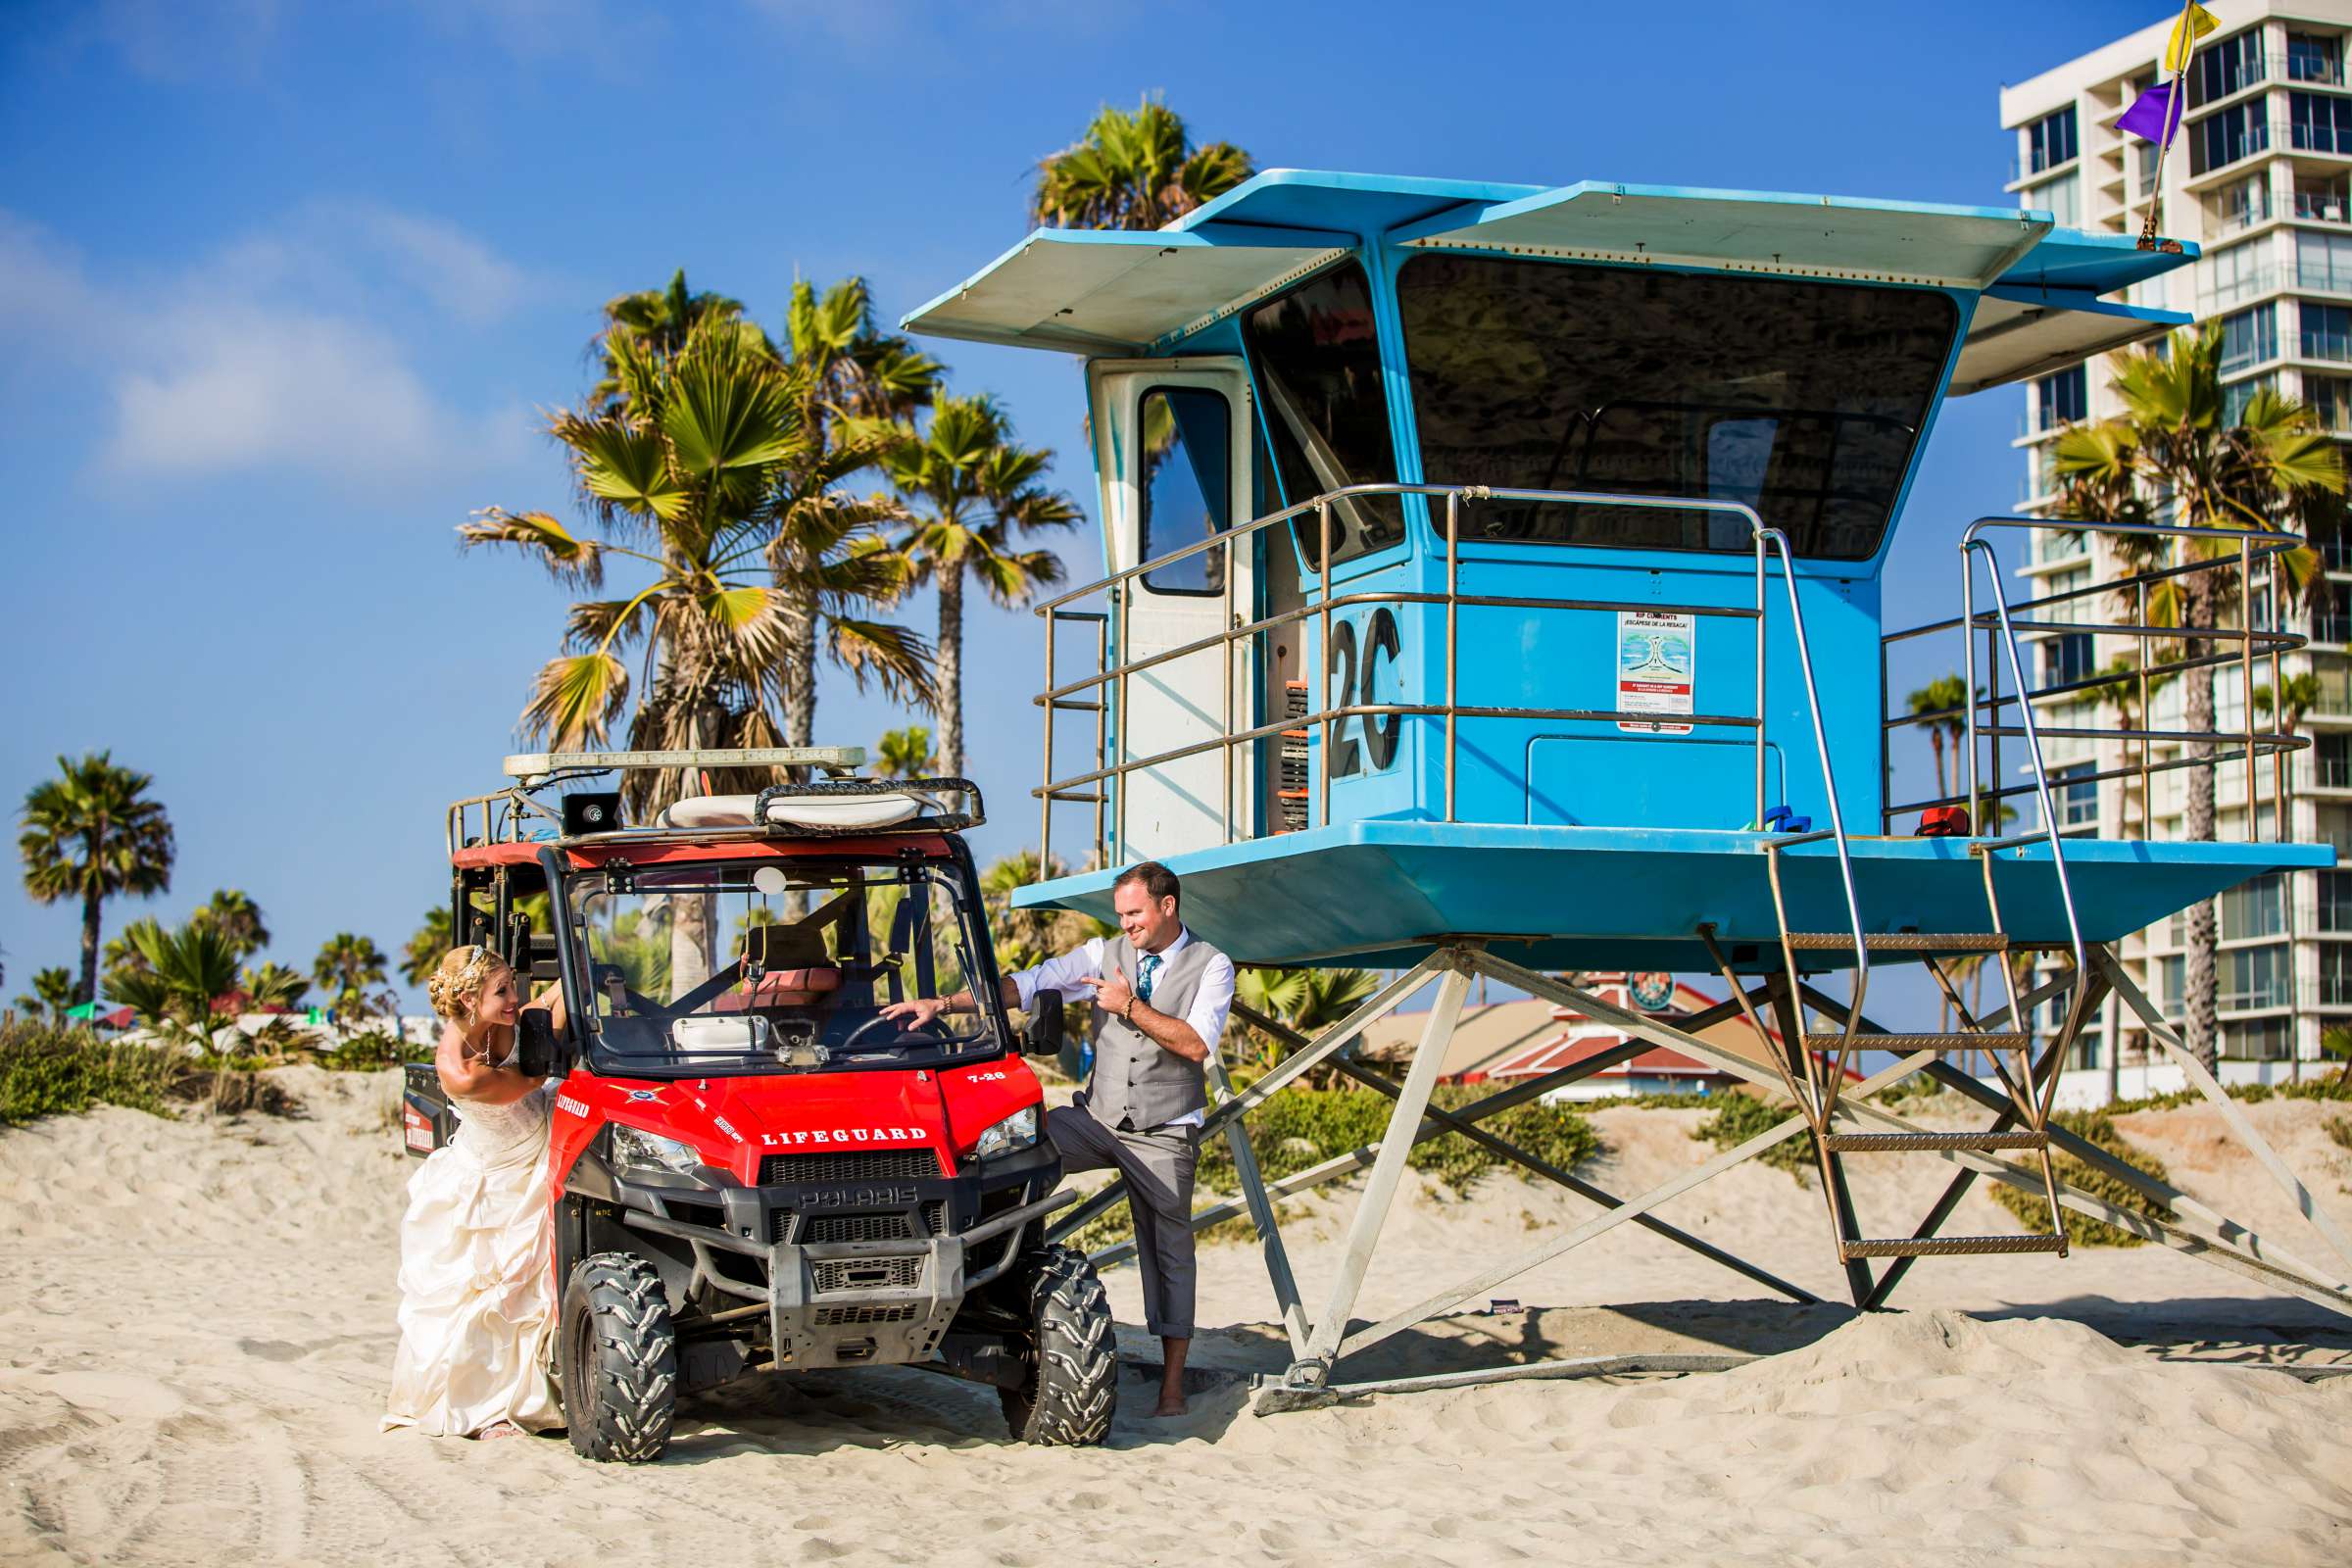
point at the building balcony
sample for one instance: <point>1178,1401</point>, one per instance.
<point>2248,287</point>
<point>2336,348</point>
<point>2335,700</point>
<point>2021,177</point>
<point>2322,207</point>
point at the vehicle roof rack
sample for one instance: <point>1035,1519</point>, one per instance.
<point>835,761</point>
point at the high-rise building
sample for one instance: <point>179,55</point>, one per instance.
<point>2260,175</point>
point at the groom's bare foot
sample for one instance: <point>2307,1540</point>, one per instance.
<point>1172,1375</point>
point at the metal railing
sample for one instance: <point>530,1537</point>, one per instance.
<point>1982,717</point>
<point>1106,686</point>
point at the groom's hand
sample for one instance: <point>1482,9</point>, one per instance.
<point>1111,992</point>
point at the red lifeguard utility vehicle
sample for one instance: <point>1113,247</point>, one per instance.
<point>753,1168</point>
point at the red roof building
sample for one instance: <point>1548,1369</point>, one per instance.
<point>1515,1041</point>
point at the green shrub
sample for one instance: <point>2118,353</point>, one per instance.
<point>2328,1088</point>
<point>59,1070</point>
<point>2339,1132</point>
<point>1739,1118</point>
<point>372,1049</point>
<point>2093,1127</point>
<point>1301,1128</point>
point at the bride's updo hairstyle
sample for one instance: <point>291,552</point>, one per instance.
<point>457,985</point>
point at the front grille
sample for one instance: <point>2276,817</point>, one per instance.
<point>833,1317</point>
<point>869,1273</point>
<point>860,1228</point>
<point>893,1227</point>
<point>852,1166</point>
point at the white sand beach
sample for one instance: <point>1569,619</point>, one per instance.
<point>200,1319</point>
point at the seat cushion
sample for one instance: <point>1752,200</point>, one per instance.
<point>781,988</point>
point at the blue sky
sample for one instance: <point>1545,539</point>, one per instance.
<point>284,284</point>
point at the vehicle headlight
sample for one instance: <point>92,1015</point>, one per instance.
<point>1016,1131</point>
<point>643,1150</point>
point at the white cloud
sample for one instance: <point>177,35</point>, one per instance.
<point>256,359</point>
<point>243,390</point>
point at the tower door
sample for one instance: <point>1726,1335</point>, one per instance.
<point>1172,443</point>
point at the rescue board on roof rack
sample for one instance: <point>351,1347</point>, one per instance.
<point>839,813</point>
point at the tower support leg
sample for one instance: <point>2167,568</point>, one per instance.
<point>1387,1170</point>
<point>2231,1111</point>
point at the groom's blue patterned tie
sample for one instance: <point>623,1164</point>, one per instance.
<point>1144,972</point>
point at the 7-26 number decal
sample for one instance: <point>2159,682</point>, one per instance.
<point>1381,639</point>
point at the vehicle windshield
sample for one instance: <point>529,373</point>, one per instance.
<point>767,966</point>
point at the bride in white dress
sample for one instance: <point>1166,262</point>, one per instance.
<point>478,1300</point>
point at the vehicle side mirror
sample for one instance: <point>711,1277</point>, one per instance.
<point>1043,1037</point>
<point>535,1049</point>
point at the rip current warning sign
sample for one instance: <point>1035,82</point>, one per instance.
<point>1657,670</point>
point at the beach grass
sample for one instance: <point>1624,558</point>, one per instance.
<point>60,1070</point>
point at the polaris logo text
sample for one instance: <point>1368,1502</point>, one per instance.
<point>844,1135</point>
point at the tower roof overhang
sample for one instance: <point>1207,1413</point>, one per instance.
<point>1114,292</point>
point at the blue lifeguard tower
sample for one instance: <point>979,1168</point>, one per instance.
<point>1494,583</point>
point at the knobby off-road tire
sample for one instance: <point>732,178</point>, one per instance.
<point>1073,1385</point>
<point>619,1359</point>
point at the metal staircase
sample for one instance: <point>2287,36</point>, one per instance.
<point>1813,1060</point>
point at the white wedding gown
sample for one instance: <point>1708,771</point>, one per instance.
<point>477,1303</point>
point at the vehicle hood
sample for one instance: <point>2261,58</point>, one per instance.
<point>736,1122</point>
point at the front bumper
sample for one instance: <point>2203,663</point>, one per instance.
<point>833,1303</point>
<point>838,1302</point>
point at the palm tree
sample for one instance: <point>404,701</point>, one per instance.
<point>239,919</point>
<point>2297,695</point>
<point>1135,170</point>
<point>91,833</point>
<point>825,553</point>
<point>347,965</point>
<point>423,954</point>
<point>2336,1041</point>
<point>657,321</point>
<point>904,754</point>
<point>2272,472</point>
<point>186,972</point>
<point>971,489</point>
<point>52,993</point>
<point>676,473</point>
<point>272,984</point>
<point>1944,696</point>
<point>1309,1000</point>
<point>855,368</point>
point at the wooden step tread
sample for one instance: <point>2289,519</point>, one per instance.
<point>1949,1245</point>
<point>1900,941</point>
<point>1909,1142</point>
<point>1902,1045</point>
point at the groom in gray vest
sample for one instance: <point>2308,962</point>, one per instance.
<point>1164,996</point>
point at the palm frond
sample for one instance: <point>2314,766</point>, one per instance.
<point>625,466</point>
<point>567,557</point>
<point>575,698</point>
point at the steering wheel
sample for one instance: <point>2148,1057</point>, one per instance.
<point>869,1027</point>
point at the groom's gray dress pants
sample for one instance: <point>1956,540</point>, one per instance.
<point>1159,1167</point>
